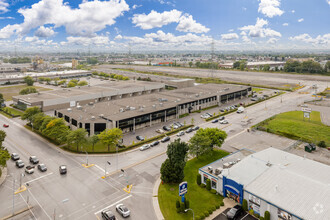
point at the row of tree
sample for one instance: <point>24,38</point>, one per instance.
<point>4,154</point>
<point>112,75</point>
<point>308,66</point>
<point>17,60</point>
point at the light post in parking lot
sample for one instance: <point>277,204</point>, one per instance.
<point>105,168</point>
<point>192,212</point>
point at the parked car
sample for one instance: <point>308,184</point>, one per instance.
<point>195,128</point>
<point>140,138</point>
<point>189,130</point>
<point>167,138</point>
<point>166,128</point>
<point>108,215</point>
<point>20,164</point>
<point>29,169</point>
<point>223,122</point>
<point>145,147</point>
<point>178,124</point>
<point>14,156</point>
<point>235,212</point>
<point>34,160</point>
<point>63,169</point>
<point>222,110</point>
<point>181,125</point>
<point>215,121</point>
<point>154,143</point>
<point>123,210</point>
<point>221,118</point>
<point>180,133</point>
<point>5,125</point>
<point>160,131</point>
<point>254,99</point>
<point>175,126</point>
<point>42,167</point>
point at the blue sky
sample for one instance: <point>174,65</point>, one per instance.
<point>165,24</point>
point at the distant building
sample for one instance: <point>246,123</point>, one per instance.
<point>257,65</point>
<point>74,63</point>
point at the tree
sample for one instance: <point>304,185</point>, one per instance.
<point>71,84</point>
<point>37,120</point>
<point>45,122</point>
<point>77,137</point>
<point>327,66</point>
<point>216,135</point>
<point>110,137</point>
<point>2,100</point>
<point>93,140</point>
<point>28,80</point>
<point>57,130</point>
<point>190,64</point>
<point>28,90</point>
<point>61,82</point>
<point>172,169</point>
<point>30,112</point>
<point>236,64</point>
<point>83,83</point>
<point>266,67</point>
<point>4,154</point>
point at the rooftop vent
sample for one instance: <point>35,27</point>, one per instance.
<point>132,108</point>
<point>93,117</point>
<point>69,110</point>
<point>79,107</point>
<point>101,115</point>
<point>218,171</point>
<point>121,110</point>
<point>162,100</point>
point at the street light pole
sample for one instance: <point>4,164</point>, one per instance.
<point>192,212</point>
<point>126,177</point>
<point>13,195</point>
<point>105,168</point>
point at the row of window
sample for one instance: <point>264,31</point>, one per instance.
<point>213,183</point>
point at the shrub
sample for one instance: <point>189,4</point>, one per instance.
<point>208,184</point>
<point>213,191</point>
<point>178,210</point>
<point>322,144</point>
<point>267,215</point>
<point>203,185</point>
<point>199,179</point>
<point>201,216</point>
<point>217,206</point>
<point>182,207</point>
<point>207,214</point>
<point>210,211</point>
<point>214,208</point>
<point>222,203</point>
<point>261,218</point>
<point>177,204</point>
<point>186,204</point>
<point>251,212</point>
<point>245,205</point>
<point>256,215</point>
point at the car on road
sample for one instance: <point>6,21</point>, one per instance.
<point>140,138</point>
<point>154,143</point>
<point>20,164</point>
<point>63,169</point>
<point>206,115</point>
<point>181,133</point>
<point>167,138</point>
<point>29,169</point>
<point>14,156</point>
<point>223,122</point>
<point>195,128</point>
<point>5,125</point>
<point>123,210</point>
<point>221,118</point>
<point>235,212</point>
<point>108,215</point>
<point>34,160</point>
<point>145,147</point>
<point>160,131</point>
<point>42,167</point>
<point>166,128</point>
<point>215,121</point>
<point>189,130</point>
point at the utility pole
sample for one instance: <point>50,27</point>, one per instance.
<point>13,194</point>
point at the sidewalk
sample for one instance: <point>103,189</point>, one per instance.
<point>229,203</point>
<point>155,203</point>
<point>3,175</point>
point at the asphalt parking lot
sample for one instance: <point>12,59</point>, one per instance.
<point>222,216</point>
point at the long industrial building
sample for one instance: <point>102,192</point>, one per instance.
<point>71,97</point>
<point>137,112</point>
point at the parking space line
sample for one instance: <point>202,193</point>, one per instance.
<point>40,177</point>
<point>244,216</point>
<point>39,204</point>
<point>113,204</point>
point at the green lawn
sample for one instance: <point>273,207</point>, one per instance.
<point>292,123</point>
<point>200,199</point>
<point>13,111</point>
<point>255,89</point>
<point>10,91</point>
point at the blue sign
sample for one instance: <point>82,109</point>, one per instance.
<point>183,188</point>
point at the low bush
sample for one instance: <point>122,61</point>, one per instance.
<point>217,206</point>
<point>207,214</point>
<point>201,216</point>
<point>183,115</point>
<point>210,211</point>
<point>186,204</point>
<point>199,179</point>
<point>322,144</point>
<point>208,184</point>
<point>182,207</point>
<point>213,191</point>
<point>245,205</point>
<point>256,215</point>
<point>267,215</point>
<point>222,203</point>
<point>261,218</point>
<point>214,208</point>
<point>203,185</point>
<point>251,212</point>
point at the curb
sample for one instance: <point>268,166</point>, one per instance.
<point>3,175</point>
<point>155,203</point>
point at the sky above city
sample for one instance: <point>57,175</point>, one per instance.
<point>163,25</point>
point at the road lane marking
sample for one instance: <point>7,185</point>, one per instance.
<point>245,216</point>
<point>113,204</point>
<point>29,207</point>
<point>40,177</point>
<point>87,166</point>
<point>20,189</point>
<point>128,189</point>
<point>39,204</point>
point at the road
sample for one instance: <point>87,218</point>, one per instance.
<point>82,193</point>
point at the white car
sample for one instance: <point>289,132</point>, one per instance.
<point>145,147</point>
<point>180,133</point>
<point>29,169</point>
<point>223,122</point>
<point>160,131</point>
<point>123,210</point>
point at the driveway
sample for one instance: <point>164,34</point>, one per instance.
<point>222,216</point>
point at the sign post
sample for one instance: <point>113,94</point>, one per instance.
<point>307,113</point>
<point>183,189</point>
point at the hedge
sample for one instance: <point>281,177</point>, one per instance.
<point>198,179</point>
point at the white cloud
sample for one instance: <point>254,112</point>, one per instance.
<point>188,24</point>
<point>243,33</point>
<point>285,24</point>
<point>89,18</point>
<point>156,19</point>
<point>246,39</point>
<point>300,20</point>
<point>230,36</point>
<point>270,8</point>
<point>306,38</point>
<point>231,30</point>
<point>36,41</point>
<point>258,30</point>
<point>136,6</point>
<point>293,11</point>
<point>8,31</point>
<point>328,1</point>
<point>44,32</point>
<point>118,37</point>
<point>272,40</point>
<point>86,41</point>
<point>31,39</point>
<point>3,6</point>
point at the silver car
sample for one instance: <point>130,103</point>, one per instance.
<point>123,210</point>
<point>145,147</point>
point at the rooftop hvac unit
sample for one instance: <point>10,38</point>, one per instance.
<point>79,107</point>
<point>197,95</point>
<point>101,115</point>
<point>121,110</point>
<point>93,117</point>
<point>210,169</point>
<point>132,108</point>
<point>91,103</point>
<point>127,108</point>
<point>161,104</point>
<point>218,171</point>
<point>154,106</point>
<point>69,110</point>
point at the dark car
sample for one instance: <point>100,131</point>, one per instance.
<point>42,167</point>
<point>167,138</point>
<point>154,143</point>
<point>140,138</point>
<point>222,110</point>
<point>19,163</point>
<point>189,130</point>
<point>34,160</point>
<point>215,121</point>
<point>63,169</point>
<point>108,215</point>
<point>14,156</point>
<point>195,128</point>
<point>166,128</point>
<point>235,212</point>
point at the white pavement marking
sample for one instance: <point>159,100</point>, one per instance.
<point>245,216</point>
<point>40,177</point>
<point>28,206</point>
<point>235,135</point>
<point>39,204</point>
<point>113,204</point>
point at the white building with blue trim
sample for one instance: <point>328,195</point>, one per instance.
<point>288,186</point>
